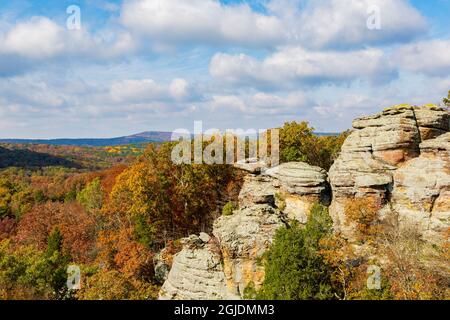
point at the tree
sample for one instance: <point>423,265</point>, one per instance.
<point>28,273</point>
<point>5,197</point>
<point>114,285</point>
<point>295,269</point>
<point>294,140</point>
<point>447,100</point>
<point>76,227</point>
<point>299,143</point>
<point>55,264</point>
<point>91,197</point>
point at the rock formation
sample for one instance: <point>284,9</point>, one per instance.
<point>399,159</point>
<point>386,159</point>
<point>197,272</point>
<point>268,199</point>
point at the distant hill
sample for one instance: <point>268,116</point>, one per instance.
<point>150,136</point>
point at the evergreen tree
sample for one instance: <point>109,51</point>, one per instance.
<point>295,270</point>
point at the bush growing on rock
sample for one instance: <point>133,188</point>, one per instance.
<point>295,269</point>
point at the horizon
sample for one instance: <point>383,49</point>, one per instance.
<point>162,64</point>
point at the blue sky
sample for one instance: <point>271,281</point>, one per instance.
<point>138,65</point>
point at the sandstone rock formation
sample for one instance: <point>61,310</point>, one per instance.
<point>244,237</point>
<point>268,199</point>
<point>399,159</point>
<point>422,189</point>
<point>376,156</point>
<point>196,274</point>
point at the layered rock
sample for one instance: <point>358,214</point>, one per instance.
<point>398,159</point>
<point>298,187</point>
<point>197,272</point>
<point>422,189</point>
<point>380,146</point>
<point>268,199</point>
<point>244,237</point>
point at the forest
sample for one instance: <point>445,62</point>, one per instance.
<point>110,210</point>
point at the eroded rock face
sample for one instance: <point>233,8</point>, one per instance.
<point>266,202</point>
<point>382,150</point>
<point>398,159</point>
<point>422,189</point>
<point>244,237</point>
<point>196,274</point>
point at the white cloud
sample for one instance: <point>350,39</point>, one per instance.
<point>261,104</point>
<point>292,65</point>
<point>205,21</point>
<point>337,23</point>
<point>428,57</point>
<point>324,23</point>
<point>147,90</point>
<point>38,37</point>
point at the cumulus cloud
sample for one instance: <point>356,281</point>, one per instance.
<point>206,21</point>
<point>38,37</point>
<point>428,57</point>
<point>324,23</point>
<point>290,66</point>
<point>337,23</point>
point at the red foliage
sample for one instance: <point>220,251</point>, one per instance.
<point>7,228</point>
<point>76,226</point>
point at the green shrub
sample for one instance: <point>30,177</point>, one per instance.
<point>295,270</point>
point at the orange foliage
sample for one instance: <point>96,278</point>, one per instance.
<point>76,226</point>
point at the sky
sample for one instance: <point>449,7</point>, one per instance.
<point>123,67</point>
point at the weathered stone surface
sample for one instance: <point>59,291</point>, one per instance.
<point>422,189</point>
<point>398,159</point>
<point>382,145</point>
<point>243,238</point>
<point>299,178</point>
<point>196,274</point>
<point>251,165</point>
<point>265,200</point>
<point>257,190</point>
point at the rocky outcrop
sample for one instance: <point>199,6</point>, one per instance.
<point>268,199</point>
<point>244,237</point>
<point>197,272</point>
<point>398,159</point>
<point>379,152</point>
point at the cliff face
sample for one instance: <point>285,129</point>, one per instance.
<point>398,159</point>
